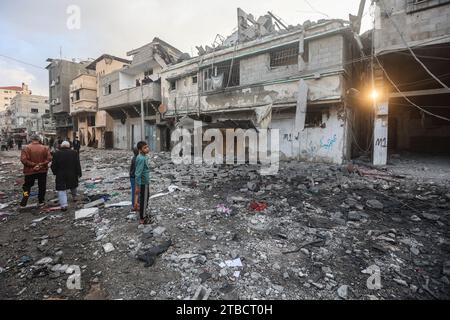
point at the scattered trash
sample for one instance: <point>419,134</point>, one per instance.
<point>171,190</point>
<point>234,263</point>
<point>149,257</point>
<point>95,203</point>
<point>85,213</point>
<point>222,209</point>
<point>119,205</point>
<point>258,206</point>
<point>46,260</point>
<point>4,205</point>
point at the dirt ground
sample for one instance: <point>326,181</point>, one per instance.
<point>314,231</point>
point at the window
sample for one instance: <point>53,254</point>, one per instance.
<point>194,79</point>
<point>173,85</point>
<point>77,95</point>
<point>34,110</point>
<point>218,76</point>
<point>91,121</point>
<point>107,89</point>
<point>313,119</point>
<point>284,57</point>
<point>47,111</point>
<point>418,5</point>
<point>148,73</point>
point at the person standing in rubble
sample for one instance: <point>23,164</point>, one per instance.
<point>142,176</point>
<point>35,158</point>
<point>67,169</point>
<point>133,179</point>
<point>76,145</point>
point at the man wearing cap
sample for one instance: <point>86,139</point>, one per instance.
<point>67,169</point>
<point>35,158</point>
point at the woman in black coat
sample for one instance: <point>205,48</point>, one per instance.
<point>67,169</point>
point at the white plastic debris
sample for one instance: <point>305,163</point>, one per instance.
<point>85,213</point>
<point>234,263</point>
<point>171,190</point>
<point>118,205</point>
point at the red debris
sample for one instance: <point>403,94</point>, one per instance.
<point>258,206</point>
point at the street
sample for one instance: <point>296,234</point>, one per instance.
<point>313,231</point>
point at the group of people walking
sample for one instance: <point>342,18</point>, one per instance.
<point>65,165</point>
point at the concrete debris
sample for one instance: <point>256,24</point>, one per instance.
<point>321,227</point>
<point>201,293</point>
<point>85,213</point>
<point>108,247</point>
<point>343,292</point>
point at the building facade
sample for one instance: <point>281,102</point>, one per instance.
<point>93,127</point>
<point>294,80</point>
<point>26,112</point>
<point>61,74</point>
<point>122,91</point>
<point>8,93</point>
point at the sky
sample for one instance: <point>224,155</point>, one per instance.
<point>33,31</point>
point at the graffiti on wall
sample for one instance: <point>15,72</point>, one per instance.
<point>291,137</point>
<point>329,144</point>
<point>381,142</point>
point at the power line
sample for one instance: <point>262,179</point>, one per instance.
<point>409,48</point>
<point>406,98</point>
<point>315,10</point>
<point>23,62</point>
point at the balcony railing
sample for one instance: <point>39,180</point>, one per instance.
<point>150,92</point>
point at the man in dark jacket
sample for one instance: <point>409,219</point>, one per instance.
<point>35,158</point>
<point>76,145</point>
<point>67,169</point>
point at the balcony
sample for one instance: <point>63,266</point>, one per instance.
<point>132,96</point>
<point>82,106</point>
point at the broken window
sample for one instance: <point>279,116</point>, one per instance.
<point>221,76</point>
<point>34,110</point>
<point>173,85</point>
<point>194,79</point>
<point>148,73</point>
<point>313,119</point>
<point>284,57</point>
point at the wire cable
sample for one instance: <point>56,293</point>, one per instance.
<point>409,48</point>
<point>406,98</point>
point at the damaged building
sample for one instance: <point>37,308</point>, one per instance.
<point>94,127</point>
<point>294,79</point>
<point>411,77</point>
<point>122,92</point>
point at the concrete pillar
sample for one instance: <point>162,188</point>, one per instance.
<point>380,136</point>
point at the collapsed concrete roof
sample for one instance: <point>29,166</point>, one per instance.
<point>250,29</point>
<point>167,53</point>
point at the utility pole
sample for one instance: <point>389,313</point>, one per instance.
<point>142,114</point>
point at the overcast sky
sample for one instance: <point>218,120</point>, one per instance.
<point>33,31</point>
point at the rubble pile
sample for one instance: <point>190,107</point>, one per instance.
<point>314,231</point>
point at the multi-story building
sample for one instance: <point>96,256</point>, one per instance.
<point>121,93</point>
<point>26,112</point>
<point>411,75</point>
<point>294,79</point>
<point>61,73</point>
<point>8,93</point>
<point>94,127</point>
